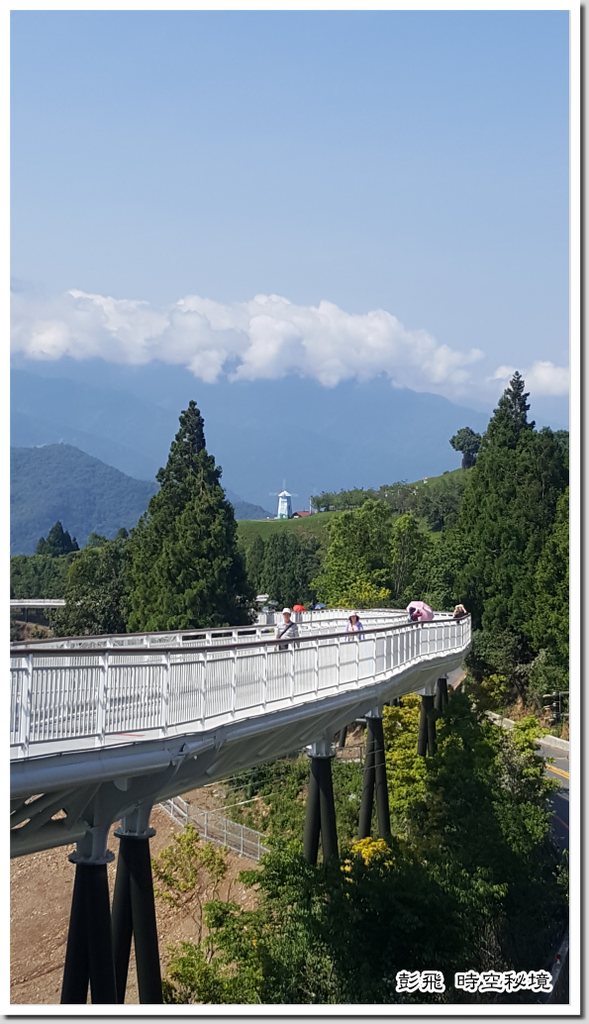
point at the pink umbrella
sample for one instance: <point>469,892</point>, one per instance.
<point>423,612</point>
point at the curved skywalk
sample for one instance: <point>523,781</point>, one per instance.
<point>103,726</point>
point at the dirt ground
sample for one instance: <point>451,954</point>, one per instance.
<point>41,886</point>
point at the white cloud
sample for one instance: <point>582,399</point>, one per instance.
<point>266,337</point>
<point>542,378</point>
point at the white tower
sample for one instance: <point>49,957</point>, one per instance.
<point>284,505</point>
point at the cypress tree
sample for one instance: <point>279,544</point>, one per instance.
<point>506,515</point>
<point>186,571</point>
<point>58,542</point>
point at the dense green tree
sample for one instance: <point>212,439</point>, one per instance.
<point>467,442</point>
<point>331,501</point>
<point>96,592</point>
<point>408,545</point>
<point>186,570</point>
<point>290,564</point>
<point>467,878</point>
<point>358,553</point>
<point>39,576</point>
<point>506,515</point>
<point>58,542</point>
<point>254,563</point>
<point>550,622</point>
<point>96,540</point>
<point>510,417</point>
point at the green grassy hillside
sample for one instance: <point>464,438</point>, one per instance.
<point>315,525</point>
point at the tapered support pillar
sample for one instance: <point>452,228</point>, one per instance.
<point>342,737</point>
<point>441,698</point>
<point>134,915</point>
<point>320,814</point>
<point>375,780</point>
<point>313,814</point>
<point>380,780</point>
<point>426,737</point>
<point>366,804</point>
<point>89,955</point>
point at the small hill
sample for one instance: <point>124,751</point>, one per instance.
<point>60,482</point>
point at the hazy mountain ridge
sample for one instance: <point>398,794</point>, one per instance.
<point>261,432</point>
<point>60,482</point>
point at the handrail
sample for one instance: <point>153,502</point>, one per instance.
<point>250,629</point>
<point>50,652</point>
<point>72,700</point>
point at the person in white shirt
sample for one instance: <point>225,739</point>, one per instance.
<point>354,626</point>
<point>288,631</point>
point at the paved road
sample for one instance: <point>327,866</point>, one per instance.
<point>558,769</point>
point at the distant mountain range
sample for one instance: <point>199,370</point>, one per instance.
<point>60,482</point>
<point>263,433</point>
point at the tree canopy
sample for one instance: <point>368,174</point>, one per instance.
<point>467,442</point>
<point>186,570</point>
<point>58,543</point>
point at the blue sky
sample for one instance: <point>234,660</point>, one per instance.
<point>400,178</point>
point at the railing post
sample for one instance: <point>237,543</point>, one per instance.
<point>26,697</point>
<point>338,662</point>
<point>265,678</point>
<point>102,699</point>
<point>233,682</point>
<point>165,712</point>
<point>292,675</point>
<point>204,689</point>
<point>357,660</point>
<point>316,644</point>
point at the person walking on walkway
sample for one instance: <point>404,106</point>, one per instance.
<point>354,626</point>
<point>288,631</point>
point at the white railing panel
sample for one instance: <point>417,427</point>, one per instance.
<point>304,670</point>
<point>64,700</point>
<point>328,664</point>
<point>278,687</point>
<point>348,662</point>
<point>381,645</point>
<point>134,697</point>
<point>218,690</point>
<point>249,687</point>
<point>185,688</point>
<point>366,660</point>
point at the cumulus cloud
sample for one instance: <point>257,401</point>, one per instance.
<point>542,378</point>
<point>266,337</point>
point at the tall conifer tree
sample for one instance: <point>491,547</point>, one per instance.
<point>506,515</point>
<point>186,571</point>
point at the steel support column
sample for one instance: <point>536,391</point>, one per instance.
<point>374,780</point>
<point>313,814</point>
<point>426,738</point>
<point>441,698</point>
<point>320,812</point>
<point>89,955</point>
<point>133,914</point>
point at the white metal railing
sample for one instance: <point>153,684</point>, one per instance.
<point>64,700</point>
<point>216,828</point>
<point>312,622</point>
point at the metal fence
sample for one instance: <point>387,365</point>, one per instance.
<point>326,620</point>
<point>64,700</point>
<point>217,829</point>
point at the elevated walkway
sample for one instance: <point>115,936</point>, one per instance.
<point>104,727</point>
